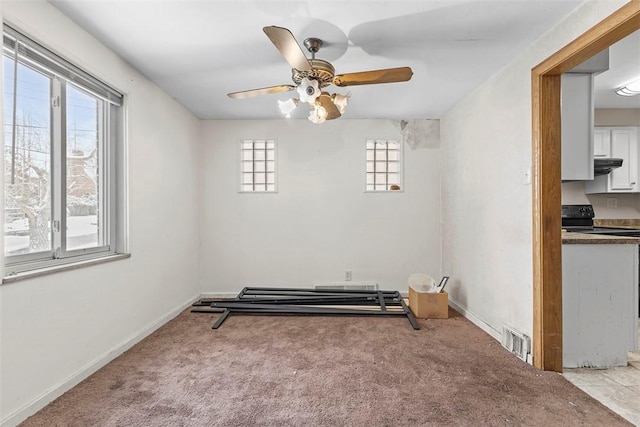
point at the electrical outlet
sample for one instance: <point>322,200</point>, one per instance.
<point>347,275</point>
<point>612,202</point>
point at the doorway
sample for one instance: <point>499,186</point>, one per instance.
<point>546,200</point>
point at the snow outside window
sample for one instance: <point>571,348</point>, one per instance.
<point>384,165</point>
<point>258,166</point>
<point>61,133</point>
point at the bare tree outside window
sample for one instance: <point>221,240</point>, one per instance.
<point>27,161</point>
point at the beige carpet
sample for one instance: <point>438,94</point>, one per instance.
<point>322,371</point>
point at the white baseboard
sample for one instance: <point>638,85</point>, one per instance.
<point>67,384</point>
<point>496,334</point>
<point>476,320</point>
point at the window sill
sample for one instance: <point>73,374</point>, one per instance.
<point>62,267</point>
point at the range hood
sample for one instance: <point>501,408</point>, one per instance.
<point>602,166</point>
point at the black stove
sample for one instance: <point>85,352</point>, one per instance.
<point>612,231</point>
<point>579,218</point>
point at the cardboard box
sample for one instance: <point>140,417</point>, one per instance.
<point>425,305</point>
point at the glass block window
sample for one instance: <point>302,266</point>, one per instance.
<point>383,172</point>
<point>258,165</point>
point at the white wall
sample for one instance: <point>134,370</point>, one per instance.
<point>321,222</point>
<point>628,205</point>
<point>1,181</point>
<point>617,117</point>
<point>58,328</point>
<point>486,149</point>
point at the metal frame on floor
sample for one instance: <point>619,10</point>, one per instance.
<point>319,302</point>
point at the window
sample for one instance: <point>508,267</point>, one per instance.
<point>383,171</point>
<point>258,165</point>
<point>62,130</point>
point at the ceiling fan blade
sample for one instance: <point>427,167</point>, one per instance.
<point>332,111</point>
<point>389,75</point>
<point>288,47</point>
<point>261,91</point>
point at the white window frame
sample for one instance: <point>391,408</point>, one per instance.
<point>111,158</point>
<point>244,174</point>
<point>374,173</point>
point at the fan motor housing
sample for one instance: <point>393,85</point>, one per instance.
<point>322,71</point>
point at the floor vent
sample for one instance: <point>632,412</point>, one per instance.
<point>516,342</point>
<point>347,286</point>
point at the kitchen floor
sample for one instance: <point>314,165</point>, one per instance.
<point>618,388</point>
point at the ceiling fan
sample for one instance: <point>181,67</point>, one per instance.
<point>312,75</point>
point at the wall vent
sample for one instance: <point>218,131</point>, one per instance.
<point>347,286</point>
<point>516,342</point>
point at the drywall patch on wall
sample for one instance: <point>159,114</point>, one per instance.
<point>419,134</point>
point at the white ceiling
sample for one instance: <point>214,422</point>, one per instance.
<point>624,67</point>
<point>198,51</point>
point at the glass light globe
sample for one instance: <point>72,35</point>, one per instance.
<point>308,90</point>
<point>318,115</point>
<point>286,107</point>
<point>341,101</point>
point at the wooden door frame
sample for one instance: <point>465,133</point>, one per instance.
<point>546,164</point>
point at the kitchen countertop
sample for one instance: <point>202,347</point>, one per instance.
<point>572,238</point>
<point>633,224</point>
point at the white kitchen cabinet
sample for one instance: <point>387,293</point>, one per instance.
<point>616,142</point>
<point>602,142</point>
<point>577,126</point>
<point>599,304</point>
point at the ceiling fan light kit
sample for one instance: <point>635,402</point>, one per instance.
<point>311,75</point>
